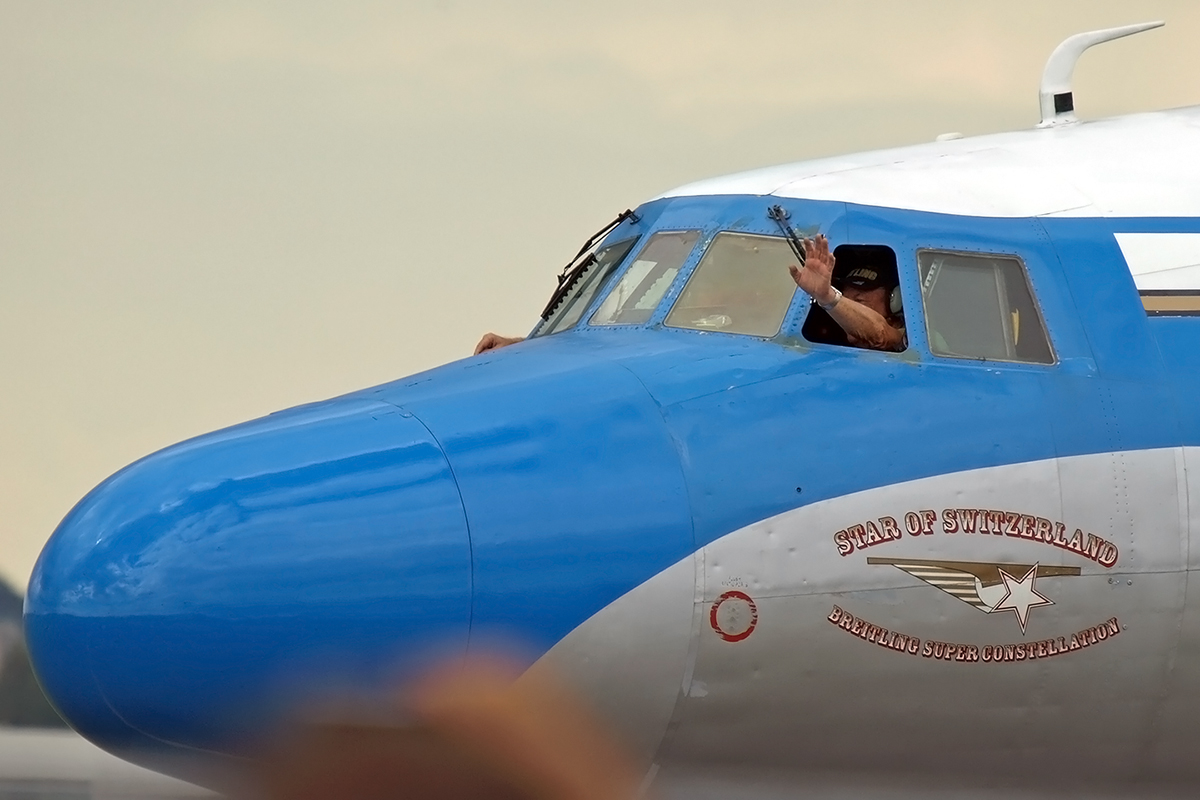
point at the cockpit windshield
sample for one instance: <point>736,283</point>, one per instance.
<point>634,298</point>
<point>742,285</point>
<point>586,279</point>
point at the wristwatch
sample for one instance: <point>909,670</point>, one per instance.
<point>837,296</point>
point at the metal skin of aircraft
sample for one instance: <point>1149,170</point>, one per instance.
<point>759,553</point>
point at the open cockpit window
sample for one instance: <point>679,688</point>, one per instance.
<point>981,307</point>
<point>591,276</point>
<point>741,285</point>
<point>867,274</point>
<point>633,300</point>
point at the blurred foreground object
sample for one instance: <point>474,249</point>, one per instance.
<point>477,731</point>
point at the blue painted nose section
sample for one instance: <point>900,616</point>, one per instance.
<point>204,589</point>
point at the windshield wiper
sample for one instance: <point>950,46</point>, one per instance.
<point>780,215</point>
<point>579,264</point>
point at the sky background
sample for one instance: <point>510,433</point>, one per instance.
<point>210,211</point>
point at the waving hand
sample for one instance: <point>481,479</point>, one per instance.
<point>817,271</point>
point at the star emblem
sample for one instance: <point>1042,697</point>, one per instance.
<point>988,586</point>
<point>1020,595</point>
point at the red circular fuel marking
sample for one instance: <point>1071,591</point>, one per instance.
<point>738,618</point>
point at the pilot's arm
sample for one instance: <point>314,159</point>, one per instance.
<point>492,341</point>
<point>864,326</point>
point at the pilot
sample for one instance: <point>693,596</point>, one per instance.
<point>861,306</point>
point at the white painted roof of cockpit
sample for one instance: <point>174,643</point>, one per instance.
<point>1143,165</point>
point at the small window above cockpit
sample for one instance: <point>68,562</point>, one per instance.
<point>633,300</point>
<point>742,285</point>
<point>981,306</point>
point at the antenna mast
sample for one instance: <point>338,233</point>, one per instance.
<point>1054,96</point>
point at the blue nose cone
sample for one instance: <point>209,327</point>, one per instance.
<point>149,618</point>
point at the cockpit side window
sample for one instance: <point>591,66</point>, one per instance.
<point>981,307</point>
<point>741,285</point>
<point>856,263</point>
<point>590,281</point>
<point>633,300</point>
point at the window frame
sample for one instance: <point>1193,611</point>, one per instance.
<point>683,272</point>
<point>692,268</point>
<point>588,278</point>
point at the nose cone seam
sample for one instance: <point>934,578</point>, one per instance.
<point>466,515</point>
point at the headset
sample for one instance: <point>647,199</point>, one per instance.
<point>896,302</point>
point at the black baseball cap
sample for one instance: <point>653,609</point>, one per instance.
<point>864,278</point>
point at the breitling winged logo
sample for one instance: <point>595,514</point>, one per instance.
<point>985,585</point>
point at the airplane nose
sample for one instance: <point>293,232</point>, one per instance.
<point>201,591</point>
